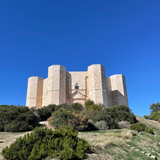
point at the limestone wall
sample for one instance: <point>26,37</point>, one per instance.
<point>109,94</point>
<point>78,77</point>
<point>34,92</point>
<point>56,84</point>
<point>97,84</point>
<point>45,93</point>
<point>119,91</point>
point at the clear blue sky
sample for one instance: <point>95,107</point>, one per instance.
<point>122,35</point>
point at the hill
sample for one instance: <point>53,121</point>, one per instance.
<point>124,144</point>
<point>114,144</point>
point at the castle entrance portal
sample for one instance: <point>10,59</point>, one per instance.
<point>77,97</point>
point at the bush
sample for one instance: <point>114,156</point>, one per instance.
<point>70,117</point>
<point>91,113</point>
<point>16,118</point>
<point>77,106</point>
<point>90,105</point>
<point>108,119</point>
<point>102,125</point>
<point>41,143</point>
<point>149,130</point>
<point>141,126</point>
<point>138,126</point>
<point>121,113</point>
<point>146,117</point>
<point>155,116</point>
<point>46,111</point>
<point>124,124</point>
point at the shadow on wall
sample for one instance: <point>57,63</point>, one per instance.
<point>119,99</point>
<point>68,87</point>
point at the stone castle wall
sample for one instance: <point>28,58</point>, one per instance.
<point>34,92</point>
<point>60,87</point>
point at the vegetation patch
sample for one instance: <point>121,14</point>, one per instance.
<point>141,126</point>
<point>42,142</point>
<point>69,117</point>
<point>17,118</point>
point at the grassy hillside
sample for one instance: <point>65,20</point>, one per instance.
<point>112,144</point>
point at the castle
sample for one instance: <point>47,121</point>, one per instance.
<point>77,87</point>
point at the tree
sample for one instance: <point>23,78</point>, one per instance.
<point>121,113</point>
<point>154,107</point>
<point>155,116</point>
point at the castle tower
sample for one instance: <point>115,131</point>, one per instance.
<point>34,92</point>
<point>56,84</point>
<point>119,90</point>
<point>97,84</point>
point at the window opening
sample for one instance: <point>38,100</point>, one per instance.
<point>76,86</point>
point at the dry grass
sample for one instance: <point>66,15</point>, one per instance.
<point>114,142</point>
<point>110,144</point>
<point>6,138</point>
<point>108,138</point>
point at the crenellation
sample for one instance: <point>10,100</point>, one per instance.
<point>76,87</point>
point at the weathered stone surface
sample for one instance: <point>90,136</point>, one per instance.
<point>76,87</point>
<point>34,92</point>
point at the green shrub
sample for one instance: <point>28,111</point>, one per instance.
<point>146,117</point>
<point>77,106</point>
<point>16,118</point>
<point>138,126</point>
<point>90,105</point>
<point>41,143</point>
<point>46,111</point>
<point>155,116</point>
<point>104,116</point>
<point>70,117</point>
<point>121,113</point>
<point>48,158</point>
<point>141,126</point>
<point>91,113</point>
<point>149,130</point>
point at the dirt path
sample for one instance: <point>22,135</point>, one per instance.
<point>6,138</point>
